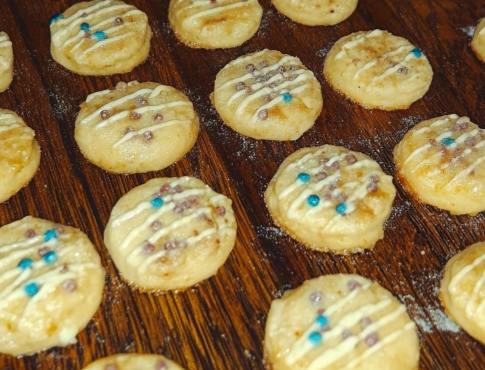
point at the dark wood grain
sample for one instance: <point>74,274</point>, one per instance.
<point>219,323</point>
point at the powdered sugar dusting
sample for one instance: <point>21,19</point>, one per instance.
<point>470,30</point>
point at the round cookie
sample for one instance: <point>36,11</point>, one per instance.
<point>441,162</point>
<point>170,233</point>
<point>462,290</point>
<point>267,95</point>
<point>316,13</point>
<point>19,154</point>
<point>51,283</point>
<point>6,61</point>
<point>133,361</point>
<point>340,322</point>
<point>213,24</point>
<point>378,70</point>
<point>478,41</point>
<point>100,37</point>
<point>137,127</point>
<point>331,199</point>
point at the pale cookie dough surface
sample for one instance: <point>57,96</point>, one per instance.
<point>378,70</point>
<point>137,127</point>
<point>331,199</point>
<point>6,61</point>
<point>343,322</point>
<point>316,12</point>
<point>441,162</point>
<point>19,154</point>
<point>213,24</point>
<point>478,41</point>
<point>133,361</point>
<point>100,37</point>
<point>170,233</point>
<point>267,95</point>
<point>462,290</point>
<point>51,282</point>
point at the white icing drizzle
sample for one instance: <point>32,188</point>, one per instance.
<point>373,62</point>
<point>102,43</point>
<point>463,272</point>
<point>394,69</point>
<point>211,9</point>
<point>356,41</point>
<point>471,306</point>
<point>435,124</point>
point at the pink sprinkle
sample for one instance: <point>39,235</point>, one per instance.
<point>87,34</point>
<point>43,250</point>
<point>147,135</point>
<point>59,229</point>
<point>69,285</point>
<point>170,245</point>
<point>403,70</point>
<point>263,114</point>
<point>321,175</point>
<point>128,130</point>
<point>264,63</point>
<point>63,269</point>
<point>156,225</point>
<point>327,195</point>
<point>105,114</point>
<point>320,311</point>
<point>165,189</point>
<point>281,69</point>
<point>148,248</point>
<point>372,187</point>
<point>118,20</point>
<point>30,233</point>
<point>332,186</point>
<point>346,333</point>
<point>374,178</point>
<point>470,141</point>
<point>267,98</point>
<point>351,158</point>
<point>178,188</point>
<point>365,322</point>
<point>323,160</point>
<point>220,211</point>
<point>335,165</point>
<point>178,208</point>
<point>140,101</point>
<point>161,365</point>
<point>341,197</point>
<point>432,142</point>
<point>272,84</point>
<point>250,68</point>
<point>249,90</point>
<point>371,339</point>
<point>316,297</point>
<point>158,117</point>
<point>135,115</point>
<point>111,367</point>
<point>240,86</point>
<point>353,284</point>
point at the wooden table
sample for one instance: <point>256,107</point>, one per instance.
<point>219,324</point>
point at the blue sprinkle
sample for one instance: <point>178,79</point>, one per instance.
<point>341,208</point>
<point>315,337</point>
<point>49,234</point>
<point>322,320</point>
<point>50,257</point>
<point>85,26</point>
<point>313,200</point>
<point>303,177</point>
<point>287,97</point>
<point>56,18</point>
<point>417,53</point>
<point>31,289</point>
<point>447,141</point>
<point>157,202</point>
<point>25,263</point>
<point>100,35</point>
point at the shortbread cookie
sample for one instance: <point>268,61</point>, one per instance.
<point>137,127</point>
<point>213,24</point>
<point>378,70</point>
<point>316,12</point>
<point>100,37</point>
<point>267,95</point>
<point>441,162</point>
<point>478,41</point>
<point>170,233</point>
<point>462,290</point>
<point>340,322</point>
<point>6,61</point>
<point>133,361</point>
<point>51,282</point>
<point>331,199</point>
<point>19,154</point>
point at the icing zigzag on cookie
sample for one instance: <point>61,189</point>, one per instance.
<point>202,8</point>
<point>5,47</point>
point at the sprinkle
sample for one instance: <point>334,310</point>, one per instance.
<point>240,86</point>
<point>42,251</point>
<point>403,70</point>
<point>432,142</point>
<point>135,115</point>
<point>84,15</point>
<point>161,365</point>
<point>111,367</point>
<point>322,320</point>
<point>220,211</point>
<point>25,264</point>
<point>118,20</point>
<point>100,35</point>
<point>147,247</point>
<point>371,339</point>
<point>346,333</point>
<point>264,63</point>
<point>31,289</point>
<point>447,141</point>
<point>365,322</point>
<point>157,202</point>
<point>59,229</point>
<point>49,234</point>
<point>416,52</point>
<point>158,117</point>
<point>335,165</point>
<point>178,209</point>
<point>50,257</point>
<point>320,311</point>
<point>250,68</point>
<point>30,233</point>
<point>249,90</point>
<point>56,17</point>
<point>165,189</point>
<point>470,141</point>
<point>315,337</point>
<point>303,177</point>
<point>351,158</point>
<point>313,200</point>
<point>322,175</point>
<point>178,189</point>
<point>287,97</point>
<point>316,297</point>
<point>141,101</point>
<point>64,268</point>
<point>341,208</point>
<point>69,285</point>
<point>147,135</point>
<point>129,129</point>
<point>341,197</point>
<point>372,187</point>
<point>263,114</point>
<point>353,284</point>
<point>105,114</point>
<point>156,225</point>
<point>85,26</point>
<point>281,69</point>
